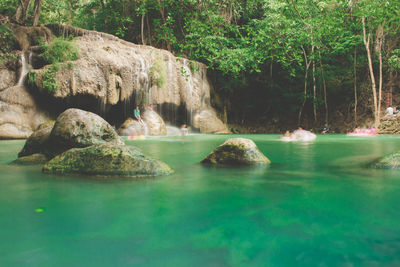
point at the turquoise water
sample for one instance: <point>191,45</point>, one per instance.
<point>317,204</point>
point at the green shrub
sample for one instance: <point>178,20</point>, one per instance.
<point>49,80</point>
<point>158,72</point>
<point>194,66</point>
<point>60,50</point>
<point>32,75</point>
<point>8,43</point>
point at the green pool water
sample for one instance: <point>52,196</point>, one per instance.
<point>317,204</point>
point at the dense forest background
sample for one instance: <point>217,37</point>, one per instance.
<point>274,64</point>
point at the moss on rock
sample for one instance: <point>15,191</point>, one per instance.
<point>106,160</point>
<point>236,151</point>
<point>391,161</point>
<point>31,159</point>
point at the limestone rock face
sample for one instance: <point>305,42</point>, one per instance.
<point>7,78</point>
<point>78,128</point>
<point>154,122</point>
<point>19,115</point>
<point>391,161</point>
<point>208,122</point>
<point>131,127</point>
<point>109,71</point>
<point>106,160</point>
<point>236,151</point>
<point>37,142</point>
<point>389,125</point>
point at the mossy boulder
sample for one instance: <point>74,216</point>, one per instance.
<point>106,160</point>
<point>391,161</point>
<point>236,151</point>
<point>31,159</point>
<point>76,128</point>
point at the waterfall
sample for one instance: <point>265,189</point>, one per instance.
<point>26,67</point>
<point>146,129</point>
<point>189,82</point>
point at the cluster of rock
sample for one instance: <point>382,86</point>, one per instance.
<point>109,71</point>
<point>154,125</point>
<point>81,142</point>
<point>389,125</point>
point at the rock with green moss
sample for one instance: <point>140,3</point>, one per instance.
<point>391,161</point>
<point>106,160</point>
<point>31,159</point>
<point>76,128</point>
<point>236,151</point>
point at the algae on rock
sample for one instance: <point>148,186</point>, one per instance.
<point>106,160</point>
<point>236,151</point>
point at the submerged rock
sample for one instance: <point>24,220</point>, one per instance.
<point>78,128</point>
<point>236,151</point>
<point>154,122</point>
<point>106,160</point>
<point>391,161</point>
<point>31,159</point>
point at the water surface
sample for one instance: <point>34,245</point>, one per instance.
<point>317,204</point>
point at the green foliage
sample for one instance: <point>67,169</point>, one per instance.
<point>194,66</point>
<point>32,76</point>
<point>158,72</point>
<point>49,82</point>
<point>394,60</point>
<point>60,50</point>
<point>8,43</point>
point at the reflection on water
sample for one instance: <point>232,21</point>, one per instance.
<point>317,204</point>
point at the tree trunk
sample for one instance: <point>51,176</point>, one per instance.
<point>371,71</point>
<point>162,13</point>
<point>142,30</point>
<point>314,87</point>
<point>22,11</point>
<point>148,31</point>
<point>305,84</point>
<point>355,85</point>
<point>324,84</point>
<point>36,12</point>
<point>379,42</point>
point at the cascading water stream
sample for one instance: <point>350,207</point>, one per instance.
<point>26,67</point>
<point>189,82</point>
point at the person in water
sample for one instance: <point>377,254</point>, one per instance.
<point>136,113</point>
<point>325,129</point>
<point>184,130</point>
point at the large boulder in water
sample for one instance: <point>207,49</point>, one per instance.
<point>106,160</point>
<point>207,122</point>
<point>236,151</point>
<point>131,127</point>
<point>36,143</point>
<point>391,161</point>
<point>76,128</point>
<point>73,128</point>
<point>154,122</point>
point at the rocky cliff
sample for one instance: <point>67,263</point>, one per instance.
<point>110,77</point>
